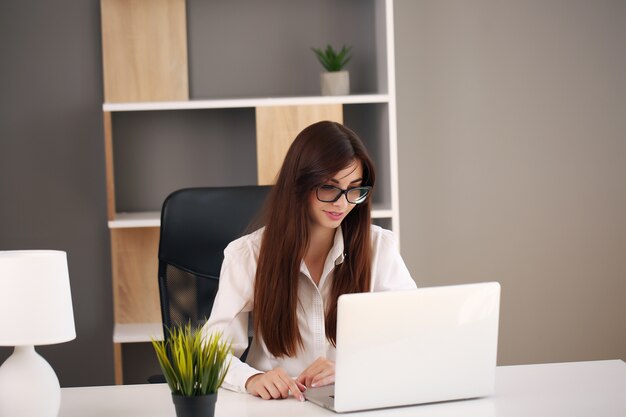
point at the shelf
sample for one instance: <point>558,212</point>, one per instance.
<point>245,102</point>
<point>136,219</point>
<point>153,218</point>
<point>382,214</point>
<point>137,332</point>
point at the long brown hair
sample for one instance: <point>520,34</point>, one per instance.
<point>317,153</point>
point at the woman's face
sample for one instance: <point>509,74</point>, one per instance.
<point>330,215</point>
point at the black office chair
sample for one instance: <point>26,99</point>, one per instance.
<point>196,226</point>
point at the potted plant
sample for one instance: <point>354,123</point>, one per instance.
<point>194,367</point>
<point>335,81</point>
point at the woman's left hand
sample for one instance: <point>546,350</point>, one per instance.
<point>319,373</point>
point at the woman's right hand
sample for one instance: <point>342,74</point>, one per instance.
<point>274,384</point>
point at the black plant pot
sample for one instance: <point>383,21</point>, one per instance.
<point>200,406</point>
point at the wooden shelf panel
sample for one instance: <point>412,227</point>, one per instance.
<point>276,128</point>
<point>144,50</point>
<point>137,332</point>
<point>134,256</point>
<point>229,103</point>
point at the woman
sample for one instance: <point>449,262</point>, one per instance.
<point>317,243</point>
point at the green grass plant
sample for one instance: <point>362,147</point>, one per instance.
<point>192,364</point>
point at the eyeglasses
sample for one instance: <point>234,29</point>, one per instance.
<point>330,194</point>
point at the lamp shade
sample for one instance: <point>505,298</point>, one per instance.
<point>35,298</point>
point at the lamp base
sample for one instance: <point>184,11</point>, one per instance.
<point>28,385</point>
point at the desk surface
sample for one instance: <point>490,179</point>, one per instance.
<point>565,389</point>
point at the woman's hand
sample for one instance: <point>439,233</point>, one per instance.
<point>319,373</point>
<point>274,384</point>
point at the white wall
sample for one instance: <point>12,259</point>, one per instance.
<point>512,143</point>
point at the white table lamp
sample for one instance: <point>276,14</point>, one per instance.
<point>35,309</point>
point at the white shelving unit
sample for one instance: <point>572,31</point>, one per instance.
<point>133,233</point>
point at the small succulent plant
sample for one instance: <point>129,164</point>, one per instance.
<point>332,60</point>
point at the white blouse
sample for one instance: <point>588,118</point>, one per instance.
<point>234,303</point>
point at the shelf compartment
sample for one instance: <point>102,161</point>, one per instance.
<point>157,153</point>
<point>198,148</point>
<point>239,48</point>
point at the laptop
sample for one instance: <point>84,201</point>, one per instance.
<point>413,347</point>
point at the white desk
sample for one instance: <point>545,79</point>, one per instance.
<point>589,389</point>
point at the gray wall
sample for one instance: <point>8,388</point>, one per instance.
<point>510,165</point>
<point>512,139</point>
<point>52,192</point>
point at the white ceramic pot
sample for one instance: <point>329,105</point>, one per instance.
<point>335,83</point>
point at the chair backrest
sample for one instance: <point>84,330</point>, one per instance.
<point>196,226</point>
